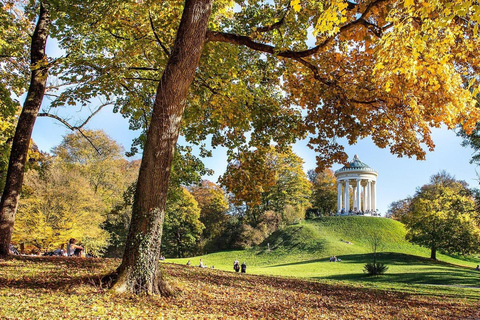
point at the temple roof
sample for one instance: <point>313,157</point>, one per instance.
<point>355,165</point>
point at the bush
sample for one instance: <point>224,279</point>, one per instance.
<point>374,269</point>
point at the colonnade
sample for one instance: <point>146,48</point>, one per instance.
<point>363,194</point>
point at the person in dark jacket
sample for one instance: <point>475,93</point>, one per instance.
<point>236,265</point>
<point>244,267</point>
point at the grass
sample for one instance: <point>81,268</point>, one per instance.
<point>69,288</point>
<point>303,251</point>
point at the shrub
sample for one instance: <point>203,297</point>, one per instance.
<point>375,268</point>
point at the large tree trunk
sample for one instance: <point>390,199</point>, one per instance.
<point>139,271</point>
<point>433,253</point>
<point>23,133</point>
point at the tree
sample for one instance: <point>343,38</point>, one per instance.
<point>375,268</point>
<point>268,179</point>
<point>26,26</point>
<point>442,216</point>
<point>398,209</point>
<point>21,140</point>
<point>187,170</point>
<point>182,226</point>
<point>100,160</point>
<point>213,211</point>
<point>324,193</point>
<point>58,204</point>
<point>8,110</point>
<point>255,71</point>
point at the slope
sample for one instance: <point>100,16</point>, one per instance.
<point>304,250</point>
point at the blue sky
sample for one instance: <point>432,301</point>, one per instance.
<point>397,177</point>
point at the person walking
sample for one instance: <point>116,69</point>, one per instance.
<point>244,267</point>
<point>236,265</point>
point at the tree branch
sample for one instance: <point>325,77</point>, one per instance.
<point>143,68</point>
<point>156,35</point>
<point>217,36</point>
<point>78,128</point>
<point>277,24</point>
<point>143,79</point>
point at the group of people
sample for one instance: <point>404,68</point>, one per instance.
<point>201,265</point>
<point>73,250</point>
<point>335,259</point>
<point>237,266</point>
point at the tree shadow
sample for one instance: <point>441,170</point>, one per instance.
<point>50,273</point>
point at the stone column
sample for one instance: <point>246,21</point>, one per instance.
<point>374,196</point>
<point>354,196</point>
<point>347,196</point>
<point>359,196</point>
<point>339,196</point>
<point>369,195</point>
<point>364,208</point>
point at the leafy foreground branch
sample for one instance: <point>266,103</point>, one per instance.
<point>201,293</point>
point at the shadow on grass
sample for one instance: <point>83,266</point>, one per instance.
<point>460,278</point>
<point>50,272</point>
<point>389,258</point>
<point>430,271</point>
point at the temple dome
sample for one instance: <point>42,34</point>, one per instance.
<point>355,165</point>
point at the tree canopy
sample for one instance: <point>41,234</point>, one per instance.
<point>268,179</point>
<point>442,216</point>
<point>324,193</point>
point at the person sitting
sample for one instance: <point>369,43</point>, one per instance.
<point>201,264</point>
<point>188,263</point>
<point>60,252</point>
<point>477,268</point>
<point>73,249</point>
<point>12,250</point>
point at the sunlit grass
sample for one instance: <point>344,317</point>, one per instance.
<point>303,251</point>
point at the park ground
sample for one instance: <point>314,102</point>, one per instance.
<point>69,288</point>
<point>288,277</point>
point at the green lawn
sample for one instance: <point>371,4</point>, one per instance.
<point>303,251</point>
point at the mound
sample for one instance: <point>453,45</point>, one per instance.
<point>342,235</point>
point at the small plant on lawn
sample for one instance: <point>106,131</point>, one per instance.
<point>375,268</point>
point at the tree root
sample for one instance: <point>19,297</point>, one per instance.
<point>118,283</point>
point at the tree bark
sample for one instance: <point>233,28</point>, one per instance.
<point>139,272</point>
<point>23,133</point>
<point>433,253</point>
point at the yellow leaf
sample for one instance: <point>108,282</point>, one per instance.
<point>409,3</point>
<point>295,5</point>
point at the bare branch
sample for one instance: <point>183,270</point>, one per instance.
<point>57,61</point>
<point>94,113</point>
<point>157,37</point>
<point>77,128</point>
<point>142,79</point>
<point>143,68</point>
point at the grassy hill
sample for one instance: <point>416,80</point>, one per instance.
<point>304,250</point>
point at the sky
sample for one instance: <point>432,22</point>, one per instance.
<point>397,177</point>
